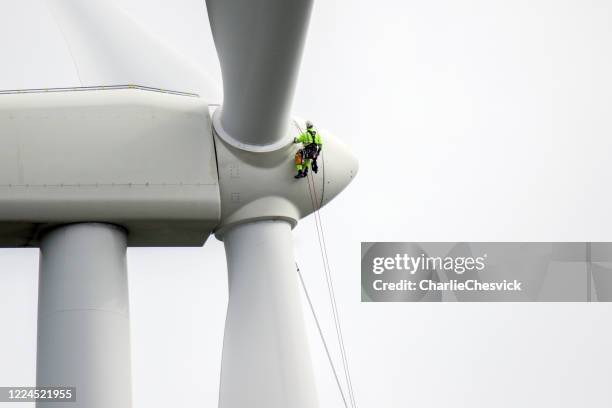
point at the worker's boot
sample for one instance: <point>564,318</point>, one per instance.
<point>299,175</point>
<point>305,172</point>
<point>315,166</point>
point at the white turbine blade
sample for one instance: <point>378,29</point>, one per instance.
<point>109,48</point>
<point>602,277</point>
<point>528,263</point>
<point>260,44</point>
<point>385,250</point>
<point>266,360</point>
<point>463,249</point>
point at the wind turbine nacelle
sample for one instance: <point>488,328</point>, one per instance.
<point>147,160</point>
<point>129,156</point>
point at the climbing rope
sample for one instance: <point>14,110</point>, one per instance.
<point>316,319</point>
<point>316,204</point>
<point>330,288</point>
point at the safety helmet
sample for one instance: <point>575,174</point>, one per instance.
<point>308,124</point>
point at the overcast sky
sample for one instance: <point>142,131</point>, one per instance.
<point>472,120</point>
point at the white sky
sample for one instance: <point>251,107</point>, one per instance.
<point>473,120</point>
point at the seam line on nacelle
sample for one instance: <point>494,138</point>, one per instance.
<point>98,88</point>
<point>112,185</point>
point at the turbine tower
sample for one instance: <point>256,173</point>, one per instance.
<point>86,172</point>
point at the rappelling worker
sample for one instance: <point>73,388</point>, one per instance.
<point>307,156</point>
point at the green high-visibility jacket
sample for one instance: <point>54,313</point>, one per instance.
<point>307,139</point>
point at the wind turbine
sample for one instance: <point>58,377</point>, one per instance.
<point>87,172</point>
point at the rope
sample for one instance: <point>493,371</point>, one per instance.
<point>316,319</point>
<point>330,286</point>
